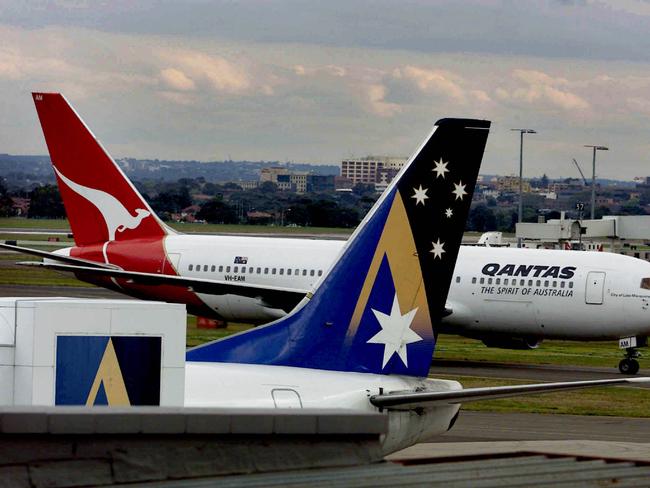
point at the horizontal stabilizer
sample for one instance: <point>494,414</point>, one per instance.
<point>424,399</point>
<point>272,296</point>
<point>57,257</point>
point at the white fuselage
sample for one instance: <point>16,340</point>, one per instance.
<point>257,386</point>
<point>602,299</point>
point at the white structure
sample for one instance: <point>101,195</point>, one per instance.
<point>611,226</point>
<point>66,351</point>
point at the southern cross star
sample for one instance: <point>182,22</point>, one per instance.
<point>459,190</point>
<point>448,213</point>
<point>420,195</point>
<point>438,250</point>
<point>395,333</point>
<point>440,169</point>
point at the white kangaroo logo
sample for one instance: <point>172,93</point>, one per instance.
<point>116,216</point>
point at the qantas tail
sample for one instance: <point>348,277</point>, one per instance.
<point>374,311</point>
<point>101,203</point>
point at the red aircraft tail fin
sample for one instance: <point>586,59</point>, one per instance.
<point>101,203</point>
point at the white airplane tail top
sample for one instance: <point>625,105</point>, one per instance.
<point>374,310</point>
<point>101,203</point>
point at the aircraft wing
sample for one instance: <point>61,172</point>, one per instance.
<point>272,296</point>
<point>57,257</point>
<point>423,399</point>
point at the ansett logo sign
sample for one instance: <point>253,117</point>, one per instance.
<point>108,370</point>
<point>529,270</point>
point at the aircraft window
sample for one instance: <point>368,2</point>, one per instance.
<point>227,269</point>
<point>304,272</point>
<point>190,267</point>
<point>645,283</point>
<point>288,271</point>
<point>198,267</point>
<point>221,268</point>
<point>545,283</point>
<point>274,270</point>
<point>539,283</point>
<point>522,282</point>
<point>311,273</point>
<point>482,280</point>
<point>259,271</point>
<point>250,270</point>
<point>213,268</point>
<point>266,270</point>
<point>474,280</point>
<point>561,284</point>
<point>505,281</point>
<point>555,284</point>
<point>498,281</point>
<point>489,281</point>
<point>243,269</point>
<point>457,279</point>
<point>205,267</point>
<point>320,272</point>
<point>235,269</point>
<point>281,271</point>
<point>570,284</point>
<point>530,282</point>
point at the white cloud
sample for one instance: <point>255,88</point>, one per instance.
<point>177,80</point>
<point>375,98</point>
<point>436,81</point>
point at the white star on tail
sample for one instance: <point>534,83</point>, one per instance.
<point>395,333</point>
<point>438,249</point>
<point>459,190</point>
<point>448,213</point>
<point>440,169</point>
<point>420,195</point>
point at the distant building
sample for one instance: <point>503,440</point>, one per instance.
<point>372,170</point>
<point>248,185</point>
<point>510,184</point>
<point>298,181</point>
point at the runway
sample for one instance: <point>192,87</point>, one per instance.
<point>489,426</point>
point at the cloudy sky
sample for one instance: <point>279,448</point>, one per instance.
<point>319,81</point>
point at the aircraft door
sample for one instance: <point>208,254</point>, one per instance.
<point>286,398</point>
<point>595,288</point>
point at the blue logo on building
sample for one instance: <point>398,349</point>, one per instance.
<point>108,370</point>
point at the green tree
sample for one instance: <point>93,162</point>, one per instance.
<point>216,211</point>
<point>45,202</point>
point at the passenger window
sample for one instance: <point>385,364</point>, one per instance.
<point>243,269</point>
<point>555,284</point>
<point>482,280</point>
<point>281,271</point>
<point>190,267</point>
<point>273,271</point>
<point>457,279</point>
<point>505,281</point>
<point>288,271</point>
<point>304,272</point>
<point>221,268</point>
<point>320,272</point>
<point>235,269</point>
<point>539,283</point>
<point>530,282</point>
<point>489,281</point>
<point>522,282</point>
<point>213,268</point>
<point>570,284</point>
<point>250,270</point>
<point>297,272</point>
<point>474,280</point>
<point>498,281</point>
<point>645,283</point>
<point>311,273</point>
<point>266,270</point>
<point>227,269</point>
<point>259,270</point>
<point>545,283</point>
<point>561,284</point>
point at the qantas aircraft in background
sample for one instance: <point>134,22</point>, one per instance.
<point>508,298</point>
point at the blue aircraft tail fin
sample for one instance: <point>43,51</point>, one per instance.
<point>374,311</point>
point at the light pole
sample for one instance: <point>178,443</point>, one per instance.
<point>593,177</point>
<point>521,175</point>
